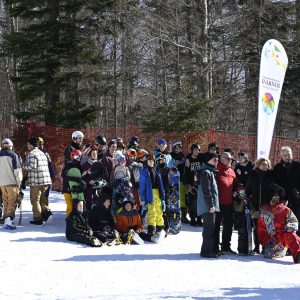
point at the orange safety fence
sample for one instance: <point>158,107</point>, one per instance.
<point>57,139</point>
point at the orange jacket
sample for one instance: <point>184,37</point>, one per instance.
<point>128,220</point>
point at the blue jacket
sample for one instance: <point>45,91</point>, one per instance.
<point>145,186</point>
<point>207,195</point>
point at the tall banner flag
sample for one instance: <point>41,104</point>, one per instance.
<point>273,65</point>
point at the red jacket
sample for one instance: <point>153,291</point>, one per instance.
<point>226,181</point>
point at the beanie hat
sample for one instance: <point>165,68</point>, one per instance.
<point>126,200</point>
<point>162,142</point>
<point>33,141</point>
<point>275,189</point>
<point>7,142</point>
<point>119,157</point>
<point>209,156</point>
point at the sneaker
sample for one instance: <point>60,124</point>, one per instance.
<point>137,239</point>
<point>228,251</point>
<point>36,222</point>
<point>9,224</point>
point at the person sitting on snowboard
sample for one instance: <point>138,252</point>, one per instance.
<point>277,226</point>
<point>129,224</point>
<point>77,227</point>
<point>101,220</point>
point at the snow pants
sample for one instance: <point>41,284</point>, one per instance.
<point>9,198</point>
<point>82,239</point>
<point>38,200</point>
<point>68,199</point>
<point>290,240</point>
<point>155,213</point>
<point>182,191</point>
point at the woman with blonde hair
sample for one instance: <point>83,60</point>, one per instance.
<point>260,179</point>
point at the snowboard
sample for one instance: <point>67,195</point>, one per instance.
<point>249,229</point>
<point>173,202</point>
<point>76,184</point>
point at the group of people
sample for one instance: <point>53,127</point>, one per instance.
<point>117,193</point>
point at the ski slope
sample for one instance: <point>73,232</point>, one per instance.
<point>39,263</point>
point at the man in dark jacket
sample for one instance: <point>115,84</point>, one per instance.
<point>208,205</point>
<point>287,175</point>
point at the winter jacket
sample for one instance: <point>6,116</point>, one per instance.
<point>38,169</point>
<point>100,217</point>
<point>287,175</point>
<point>127,220</point>
<point>226,181</point>
<point>207,195</point>
<point>64,174</point>
<point>169,160</point>
<point>76,222</point>
<point>194,167</point>
<point>10,168</point>
<point>243,172</point>
<point>145,186</point>
<point>275,223</point>
<point>179,162</point>
<point>256,187</point>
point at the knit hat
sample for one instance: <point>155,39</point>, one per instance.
<point>33,141</point>
<point>209,156</point>
<point>128,199</point>
<point>162,142</point>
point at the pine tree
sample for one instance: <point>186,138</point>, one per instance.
<point>55,54</point>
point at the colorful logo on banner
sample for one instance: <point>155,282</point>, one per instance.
<point>273,65</point>
<point>268,103</point>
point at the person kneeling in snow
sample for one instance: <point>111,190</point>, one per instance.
<point>129,224</point>
<point>77,228</point>
<point>101,220</point>
<point>277,226</point>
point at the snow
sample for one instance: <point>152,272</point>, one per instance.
<point>39,263</point>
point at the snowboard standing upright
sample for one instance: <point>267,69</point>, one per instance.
<point>173,202</point>
<point>76,184</point>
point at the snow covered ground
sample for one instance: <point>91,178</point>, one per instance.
<point>39,263</point>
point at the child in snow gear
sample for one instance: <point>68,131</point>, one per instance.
<point>152,194</point>
<point>277,226</point>
<point>242,220</point>
<point>73,185</point>
<point>77,228</point>
<point>101,220</point>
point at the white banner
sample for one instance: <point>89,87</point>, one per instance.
<point>273,65</point>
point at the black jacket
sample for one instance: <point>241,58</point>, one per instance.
<point>243,172</point>
<point>287,175</point>
<point>76,223</point>
<point>257,185</point>
<point>69,149</point>
<point>193,169</point>
<point>100,217</point>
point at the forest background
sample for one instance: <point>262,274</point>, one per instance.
<point>164,65</point>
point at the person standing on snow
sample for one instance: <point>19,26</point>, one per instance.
<point>39,180</point>
<point>10,181</point>
<point>76,144</point>
<point>243,168</point>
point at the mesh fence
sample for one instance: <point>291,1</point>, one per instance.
<point>57,139</point>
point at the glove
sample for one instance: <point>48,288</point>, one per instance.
<point>163,206</point>
<point>143,211</point>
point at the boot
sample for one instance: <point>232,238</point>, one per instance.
<point>184,218</point>
<point>47,216</point>
<point>151,229</point>
<point>9,224</point>
<point>158,237</point>
<point>199,222</point>
<point>194,221</point>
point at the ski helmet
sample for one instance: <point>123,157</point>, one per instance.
<point>77,134</point>
<point>101,140</point>
<point>76,155</point>
<point>135,139</point>
<point>119,157</point>
<point>127,200</point>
